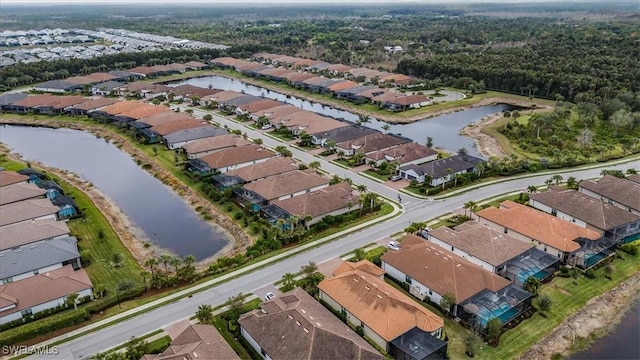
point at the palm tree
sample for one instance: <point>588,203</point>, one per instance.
<point>361,188</point>
<point>364,119</point>
<point>449,172</point>
<point>531,285</point>
<point>331,145</point>
<point>204,314</point>
<point>288,281</point>
<point>358,254</point>
<point>358,158</point>
<point>165,259</point>
<point>72,299</point>
<point>151,263</point>
<point>548,182</point>
<point>175,262</point>
<point>531,189</point>
<point>386,127</point>
<point>471,206</point>
<point>315,165</point>
<point>144,274</point>
<point>557,178</point>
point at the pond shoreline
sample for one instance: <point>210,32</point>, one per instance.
<point>238,240</point>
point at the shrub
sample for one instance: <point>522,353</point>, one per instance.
<point>629,249</point>
<point>494,329</point>
<point>590,274</point>
<point>238,215</point>
<point>41,327</point>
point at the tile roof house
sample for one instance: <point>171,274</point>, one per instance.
<point>353,94</point>
<point>164,118</point>
<point>297,78</point>
<point>107,88</point>
<point>622,193</point>
<point>332,200</point>
<point>279,187</point>
<point>89,105</point>
<point>58,104</point>
<point>202,147</point>
<point>171,127</point>
<point>296,325</point>
<point>57,86</point>
<point>588,212</point>
<point>19,192</point>
<point>29,260</point>
<point>7,100</point>
<point>431,272</point>
<point>258,105</point>
<point>557,237</point>
<point>177,139</point>
<point>438,170</point>
<point>8,177</point>
<point>341,134</point>
<point>220,97</point>
<point>338,69</point>
<point>197,341</point>
<point>42,292</point>
<point>276,112</point>
<point>27,210</point>
<point>403,154</point>
<point>30,102</point>
<point>230,159</point>
<point>406,102</point>
<point>31,232</point>
<point>368,143</point>
<point>272,166</point>
<point>384,313</point>
<point>141,111</point>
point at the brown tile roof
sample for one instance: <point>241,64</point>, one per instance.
<point>315,80</point>
<point>273,166</point>
<point>191,342</point>
<point>195,64</point>
<point>307,62</point>
<point>491,246</point>
<point>223,96</point>
<point>169,128</point>
<point>139,85</point>
<point>228,61</point>
<point>145,110</point>
<point>321,202</point>
<point>287,183</point>
<point>538,225</point>
<point>297,76</point>
<point>165,117</point>
<point>145,70</point>
<point>236,155</point>
<point>373,142</point>
<point>309,329</point>
<point>8,177</point>
<point>394,77</point>
<point>342,85</point>
<point>276,71</point>
<point>29,232</point>
<point>215,143</point>
<point>362,265</point>
<point>95,104</point>
<point>34,100</point>
<point>26,210</point>
<point>80,80</point>
<point>19,191</point>
<point>278,111</point>
<point>594,212</point>
<point>287,59</point>
<point>622,191</point>
<point>442,270</point>
<point>265,55</point>
<point>406,152</point>
<point>202,92</point>
<point>320,125</point>
<point>259,105</point>
<point>297,118</point>
<point>338,68</point>
<point>61,102</point>
<point>43,288</point>
<point>373,93</point>
<point>101,77</point>
<point>409,100</point>
<point>121,107</point>
<point>176,66</point>
<point>383,308</point>
<point>634,178</point>
<point>184,90</point>
<point>387,96</point>
<point>244,65</point>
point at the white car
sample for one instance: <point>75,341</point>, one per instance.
<point>393,245</point>
<point>266,127</point>
<point>268,296</point>
<point>396,178</point>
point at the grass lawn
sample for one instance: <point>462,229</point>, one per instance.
<point>244,352</point>
<point>374,174</point>
<point>506,145</point>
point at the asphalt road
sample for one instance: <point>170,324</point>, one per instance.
<point>414,210</point>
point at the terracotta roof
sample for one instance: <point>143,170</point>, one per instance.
<point>297,76</point>
<point>244,65</point>
<point>42,288</point>
<point>394,77</point>
<point>306,62</point>
<point>276,72</point>
<point>34,100</point>
<point>168,128</point>
<point>316,80</point>
<point>101,76</point>
<point>121,107</point>
<point>176,66</point>
<point>406,152</point>
<point>94,104</point>
<point>383,308</point>
<point>26,210</point>
<point>195,64</point>
<point>373,142</point>
<point>81,80</point>
<point>342,85</point>
<point>634,178</point>
<point>287,183</point>
<point>236,155</point>
<point>309,330</point>
<point>594,212</point>
<point>262,104</point>
<point>387,96</point>
<point>191,342</point>
<point>409,100</point>
<point>165,117</point>
<point>61,102</point>
<point>344,133</point>
<point>184,90</point>
<point>491,246</point>
<point>362,265</point>
<point>19,191</point>
<point>538,225</point>
<point>215,143</point>
<point>622,191</point>
<point>442,270</point>
<point>139,85</point>
<point>229,61</point>
<point>339,68</point>
<point>297,118</point>
<point>145,110</point>
<point>278,111</point>
<point>30,232</point>
<point>223,96</point>
<point>8,177</point>
<point>273,166</point>
<point>320,125</point>
<point>144,70</point>
<point>321,202</point>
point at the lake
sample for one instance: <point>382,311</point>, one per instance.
<point>443,129</point>
<point>152,207</point>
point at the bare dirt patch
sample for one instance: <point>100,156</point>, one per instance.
<point>487,145</point>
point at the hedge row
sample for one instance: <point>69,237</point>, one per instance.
<point>43,326</point>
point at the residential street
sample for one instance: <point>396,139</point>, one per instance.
<point>415,209</point>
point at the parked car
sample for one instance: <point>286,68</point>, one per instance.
<point>268,296</point>
<point>396,178</point>
<point>393,245</point>
<point>266,127</point>
<point>425,232</point>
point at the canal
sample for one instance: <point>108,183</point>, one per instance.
<point>443,129</point>
<point>166,220</point>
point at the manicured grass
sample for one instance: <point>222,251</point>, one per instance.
<point>158,345</point>
<point>244,352</point>
<point>374,174</point>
